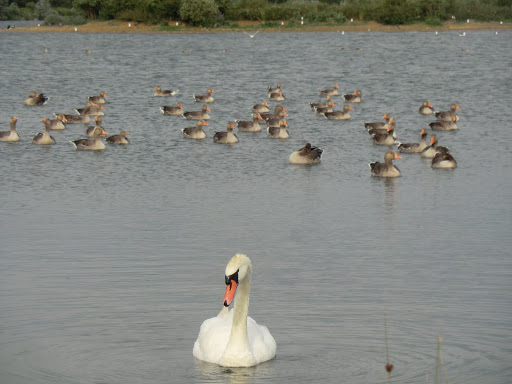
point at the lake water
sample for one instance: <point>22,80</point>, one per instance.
<point>110,261</point>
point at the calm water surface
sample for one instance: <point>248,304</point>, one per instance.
<point>110,261</point>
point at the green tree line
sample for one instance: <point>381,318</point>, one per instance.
<point>210,13</point>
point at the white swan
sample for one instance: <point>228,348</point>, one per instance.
<point>232,339</point>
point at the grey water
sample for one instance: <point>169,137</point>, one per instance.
<point>111,260</point>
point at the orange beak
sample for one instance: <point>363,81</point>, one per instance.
<point>103,132</point>
<point>397,156</point>
<point>349,107</point>
<point>457,107</point>
<point>285,114</point>
<point>385,116</point>
<point>205,123</point>
<point>230,293</point>
<point>355,93</point>
<point>208,109</point>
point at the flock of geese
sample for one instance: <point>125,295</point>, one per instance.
<point>381,132</point>
<point>93,108</point>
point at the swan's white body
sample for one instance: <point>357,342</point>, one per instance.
<point>232,339</point>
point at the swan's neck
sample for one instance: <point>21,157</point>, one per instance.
<point>241,310</point>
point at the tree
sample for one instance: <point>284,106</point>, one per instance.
<point>43,9</point>
<point>199,12</point>
<point>90,7</point>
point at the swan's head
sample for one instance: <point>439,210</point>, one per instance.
<point>236,271</point>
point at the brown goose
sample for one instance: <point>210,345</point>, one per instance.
<point>11,134</point>
<point>331,91</point>
<point>260,108</point>
<point>378,124</point>
<point>279,111</point>
<point>208,98</point>
<point>99,99</point>
<point>339,115</point>
<point>172,110</point>
<point>164,92</point>
<point>384,138</point>
<point>441,125</point>
<point>91,108</point>
<point>448,115</point>
<point>433,148</point>
<point>306,155</point>
<point>94,144</point>
<point>320,104</point>
<point>443,160</point>
<point>276,96</point>
<point>426,108</point>
<point>78,119</point>
<point>391,123</point>
<point>279,132</point>
<point>195,132</point>
<point>275,89</point>
<point>414,147</point>
<point>198,115</point>
<point>386,169</point>
<point>59,122</point>
<point>354,97</point>
<point>249,126</point>
<point>44,137</point>
<point>89,132</point>
<point>119,139</point>
<point>36,99</point>
<point>227,137</point>
<point>327,108</point>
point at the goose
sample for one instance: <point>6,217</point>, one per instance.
<point>279,132</point>
<point>306,155</point>
<point>448,115</point>
<point>59,122</point>
<point>275,121</point>
<point>275,89</point>
<point>383,131</point>
<point>440,125</point>
<point>385,138</point>
<point>94,144</point>
<point>261,108</point>
<point>331,91</point>
<point>443,160</point>
<point>11,134</point>
<point>386,169</point>
<point>119,139</point>
<point>279,111</point>
<point>208,98</point>
<point>195,132</point>
<point>339,115</point>
<point>327,108</point>
<point>426,108</point>
<point>99,99</point>
<point>198,115</point>
<point>433,148</point>
<point>227,137</point>
<point>378,124</point>
<point>89,132</point>
<point>92,109</point>
<point>232,338</point>
<point>354,97</point>
<point>249,126</point>
<point>164,92</point>
<point>77,119</point>
<point>36,99</point>
<point>320,104</point>
<point>414,147</point>
<point>276,96</point>
<point>44,137</point>
<point>172,110</point>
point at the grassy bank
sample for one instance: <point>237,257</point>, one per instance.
<point>130,27</point>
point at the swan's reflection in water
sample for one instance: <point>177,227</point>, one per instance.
<point>213,373</point>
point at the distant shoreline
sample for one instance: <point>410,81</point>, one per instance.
<point>115,26</point>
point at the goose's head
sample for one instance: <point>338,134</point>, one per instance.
<point>238,268</point>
